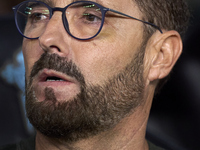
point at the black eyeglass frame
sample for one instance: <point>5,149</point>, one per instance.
<point>103,9</point>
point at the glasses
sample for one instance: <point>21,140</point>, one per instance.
<point>83,20</point>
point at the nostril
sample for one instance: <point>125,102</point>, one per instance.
<point>56,48</point>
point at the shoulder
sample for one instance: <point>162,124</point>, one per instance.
<point>28,144</point>
<point>9,147</point>
<point>154,147</point>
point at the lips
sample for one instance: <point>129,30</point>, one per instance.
<point>64,87</point>
<point>53,76</point>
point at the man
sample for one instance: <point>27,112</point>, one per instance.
<point>91,72</point>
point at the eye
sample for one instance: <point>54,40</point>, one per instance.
<point>37,14</point>
<point>38,17</point>
<point>91,18</point>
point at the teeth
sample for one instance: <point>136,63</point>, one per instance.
<point>53,79</point>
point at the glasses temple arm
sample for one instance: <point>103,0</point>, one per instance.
<point>151,24</point>
<point>17,11</point>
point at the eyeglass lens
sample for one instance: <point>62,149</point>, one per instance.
<point>83,19</point>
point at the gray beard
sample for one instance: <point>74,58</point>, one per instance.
<point>95,109</point>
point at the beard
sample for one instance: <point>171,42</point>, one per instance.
<point>97,108</point>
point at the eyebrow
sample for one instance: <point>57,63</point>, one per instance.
<point>96,1</point>
<point>52,4</point>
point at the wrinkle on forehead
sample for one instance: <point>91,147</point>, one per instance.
<point>108,4</point>
<point>53,2</point>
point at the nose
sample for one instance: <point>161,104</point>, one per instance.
<point>55,39</point>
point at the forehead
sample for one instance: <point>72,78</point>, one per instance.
<point>119,5</point>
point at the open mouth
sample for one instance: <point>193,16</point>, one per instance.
<point>52,79</point>
<point>52,76</point>
<point>49,77</point>
<point>63,86</point>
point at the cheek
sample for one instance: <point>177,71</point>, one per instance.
<point>32,52</point>
<point>101,61</point>
<point>109,57</point>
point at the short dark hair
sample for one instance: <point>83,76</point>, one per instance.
<point>166,14</point>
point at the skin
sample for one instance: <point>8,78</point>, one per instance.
<point>100,59</point>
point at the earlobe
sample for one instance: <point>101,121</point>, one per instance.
<point>165,54</point>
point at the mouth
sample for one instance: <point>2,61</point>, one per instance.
<point>53,79</point>
<point>53,76</point>
<point>64,86</point>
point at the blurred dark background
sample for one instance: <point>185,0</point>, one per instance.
<point>175,116</point>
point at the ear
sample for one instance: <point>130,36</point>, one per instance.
<point>164,51</point>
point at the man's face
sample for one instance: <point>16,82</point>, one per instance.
<point>80,83</point>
